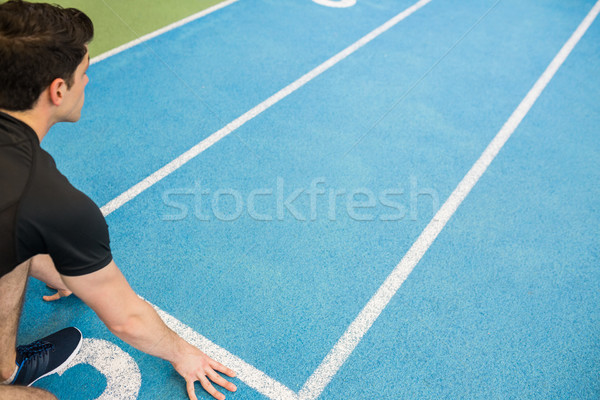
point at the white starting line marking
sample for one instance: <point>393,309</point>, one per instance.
<point>363,322</point>
<point>160,31</point>
<point>265,105</point>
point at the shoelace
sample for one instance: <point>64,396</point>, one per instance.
<point>34,349</point>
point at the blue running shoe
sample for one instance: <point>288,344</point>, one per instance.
<point>46,356</point>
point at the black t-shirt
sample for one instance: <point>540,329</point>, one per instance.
<point>41,212</point>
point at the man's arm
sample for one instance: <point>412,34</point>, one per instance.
<point>134,321</point>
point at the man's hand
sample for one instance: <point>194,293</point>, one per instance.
<point>193,365</point>
<point>60,293</point>
<point>43,268</point>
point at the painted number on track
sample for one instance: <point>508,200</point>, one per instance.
<point>336,3</point>
<point>123,379</point>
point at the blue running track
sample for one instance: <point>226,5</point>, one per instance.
<point>505,303</point>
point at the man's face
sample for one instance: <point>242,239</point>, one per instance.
<point>74,97</point>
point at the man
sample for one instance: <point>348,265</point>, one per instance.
<point>50,230</point>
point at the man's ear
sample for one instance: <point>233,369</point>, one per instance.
<point>57,89</point>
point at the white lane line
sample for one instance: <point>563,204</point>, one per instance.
<point>363,322</point>
<point>253,377</point>
<point>160,31</point>
<point>238,122</point>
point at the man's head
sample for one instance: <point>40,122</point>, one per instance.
<point>43,56</point>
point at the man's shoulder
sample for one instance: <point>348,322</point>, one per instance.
<point>14,132</point>
<point>52,192</point>
<point>17,153</point>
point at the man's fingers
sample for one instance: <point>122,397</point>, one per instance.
<point>59,294</point>
<point>55,296</point>
<point>219,380</point>
<point>211,389</point>
<point>217,366</point>
<point>190,389</point>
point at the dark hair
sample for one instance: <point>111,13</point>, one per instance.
<point>39,42</point>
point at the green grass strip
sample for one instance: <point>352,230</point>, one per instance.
<point>117,22</point>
